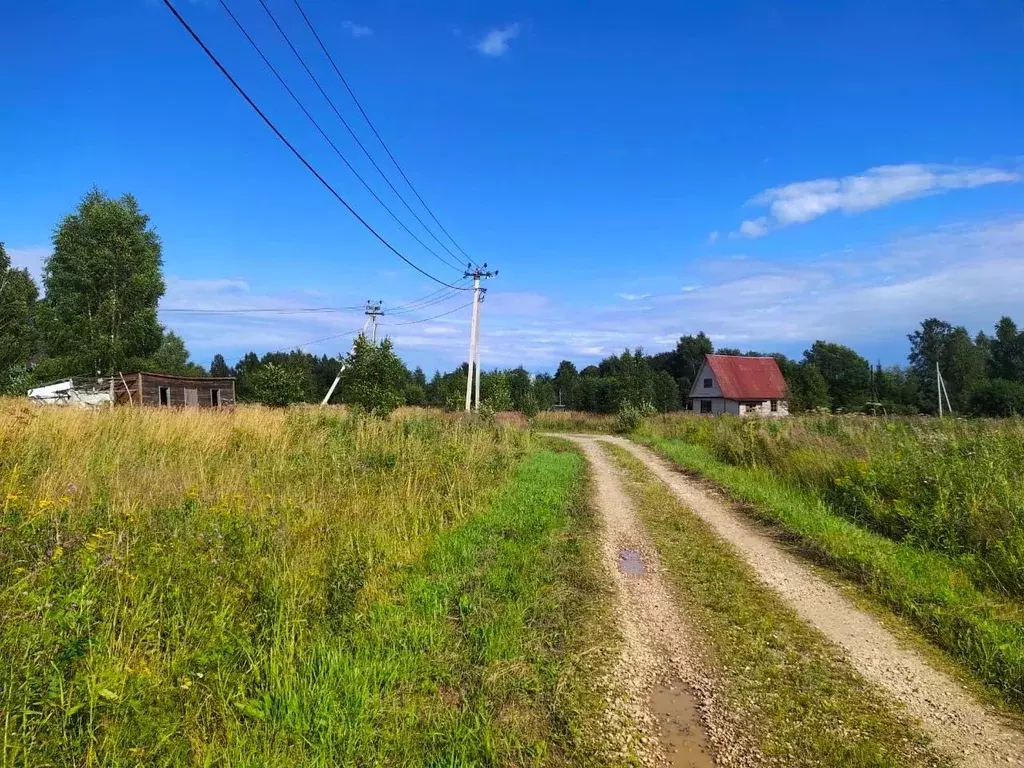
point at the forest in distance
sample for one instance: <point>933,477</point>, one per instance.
<point>98,313</point>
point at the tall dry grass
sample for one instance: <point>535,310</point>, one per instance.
<point>246,587</point>
<point>954,486</point>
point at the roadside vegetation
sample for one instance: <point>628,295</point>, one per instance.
<point>925,515</point>
<point>802,705</point>
<point>291,587</point>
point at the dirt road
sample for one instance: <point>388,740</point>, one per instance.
<point>665,688</point>
<point>961,727</point>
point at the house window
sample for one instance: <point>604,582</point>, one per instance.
<point>707,383</point>
<point>191,397</point>
<point>705,406</point>
<point>215,398</point>
<point>165,395</point>
<point>775,406</point>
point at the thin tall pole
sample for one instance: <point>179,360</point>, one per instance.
<point>472,339</point>
<point>476,355</point>
<point>938,386</point>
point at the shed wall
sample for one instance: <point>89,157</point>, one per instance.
<point>149,385</point>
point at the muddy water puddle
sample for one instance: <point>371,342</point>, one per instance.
<point>682,734</point>
<point>631,563</point>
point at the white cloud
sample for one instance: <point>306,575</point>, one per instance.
<point>968,273</point>
<point>754,227</point>
<point>356,30</point>
<point>713,237</point>
<point>803,201</point>
<point>495,42</point>
<point>633,296</point>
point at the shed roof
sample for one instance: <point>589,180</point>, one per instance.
<point>748,378</point>
<point>200,379</point>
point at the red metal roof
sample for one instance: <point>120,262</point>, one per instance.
<point>748,378</point>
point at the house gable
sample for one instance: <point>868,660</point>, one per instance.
<point>699,390</point>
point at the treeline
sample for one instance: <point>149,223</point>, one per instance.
<point>983,375</point>
<point>104,280</point>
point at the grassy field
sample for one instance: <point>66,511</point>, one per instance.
<point>797,699</point>
<point>924,515</point>
<point>575,422</point>
<point>293,587</point>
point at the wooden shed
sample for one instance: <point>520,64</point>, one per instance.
<point>160,389</point>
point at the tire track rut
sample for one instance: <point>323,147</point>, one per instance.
<point>961,727</point>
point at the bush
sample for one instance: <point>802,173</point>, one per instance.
<point>276,385</point>
<point>529,406</point>
<point>998,397</point>
<point>16,380</point>
<point>631,416</point>
<point>375,378</point>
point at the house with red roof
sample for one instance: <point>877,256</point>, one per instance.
<point>744,386</point>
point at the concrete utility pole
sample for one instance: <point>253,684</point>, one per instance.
<point>372,312</point>
<point>476,353</point>
<point>478,274</point>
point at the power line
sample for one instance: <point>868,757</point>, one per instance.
<point>352,133</point>
<point>427,319</point>
<point>299,155</point>
<point>261,310</point>
<point>384,325</point>
<point>373,128</point>
<point>329,338</point>
<point>402,308</point>
<point>338,152</point>
<point>424,305</point>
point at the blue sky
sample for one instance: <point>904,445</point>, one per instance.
<point>769,173</point>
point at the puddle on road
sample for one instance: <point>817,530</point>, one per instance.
<point>631,563</point>
<point>682,734</point>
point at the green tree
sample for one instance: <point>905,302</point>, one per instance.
<point>565,384</point>
<point>847,374</point>
<point>963,368</point>
<point>808,389</point>
<point>962,363</point>
<point>172,357</point>
<point>896,389</point>
<point>666,392</point>
<point>998,397</point>
<point>1007,349</point>
<point>519,385</point>
<point>496,391</point>
<point>18,295</point>
<point>688,358</point>
<point>103,283</point>
<point>219,368</point>
<point>375,378</point>
<point>245,377</point>
<point>276,385</point>
<point>544,391</point>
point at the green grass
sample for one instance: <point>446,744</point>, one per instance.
<point>801,704</point>
<point>263,588</point>
<point>949,485</point>
<point>982,630</point>
<point>574,422</point>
